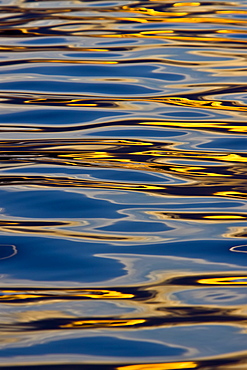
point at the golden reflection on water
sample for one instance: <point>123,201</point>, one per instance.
<point>14,296</point>
<point>222,175</point>
<point>225,217</point>
<point>199,125</point>
<point>161,366</point>
<point>225,281</point>
<point>173,100</point>
<point>102,323</point>
<point>204,104</point>
<point>232,194</point>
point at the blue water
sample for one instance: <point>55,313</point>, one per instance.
<point>123,185</point>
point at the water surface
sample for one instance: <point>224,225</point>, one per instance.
<point>123,185</point>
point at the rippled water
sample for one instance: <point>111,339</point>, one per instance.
<point>123,185</point>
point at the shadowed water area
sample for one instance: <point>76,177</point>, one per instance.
<point>123,185</point>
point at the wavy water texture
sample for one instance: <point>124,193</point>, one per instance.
<point>123,191</point>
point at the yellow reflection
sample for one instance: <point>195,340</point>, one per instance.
<point>224,217</point>
<point>233,194</point>
<point>82,156</point>
<point>139,20</point>
<point>143,10</point>
<point>104,142</point>
<point>105,323</point>
<point>99,293</point>
<point>227,31</point>
<point>156,32</point>
<point>81,105</point>
<point>200,125</point>
<point>225,281</point>
<point>183,19</point>
<point>13,295</point>
<point>19,296</point>
<point>190,170</point>
<point>186,4</point>
<point>96,49</point>
<point>231,12</point>
<point>162,366</point>
<point>205,20</point>
<point>204,104</point>
<point>200,103</point>
<point>231,158</point>
<point>71,61</point>
<point>106,160</point>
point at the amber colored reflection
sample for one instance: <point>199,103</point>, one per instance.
<point>192,182</point>
<point>71,145</point>
<point>123,151</point>
<point>231,194</point>
<point>196,171</point>
<point>198,125</point>
<point>147,161</point>
<point>121,103</point>
<point>73,182</point>
<point>72,61</point>
<point>151,307</point>
<point>187,4</point>
<point>171,100</point>
<point>233,11</point>
<point>237,362</point>
<point>225,217</point>
<point>16,296</point>
<point>223,174</point>
<point>176,13</point>
<point>232,157</point>
<point>225,281</point>
<point>150,11</point>
<point>102,323</point>
<point>169,16</point>
<point>201,104</point>
<point>195,39</point>
<point>161,366</point>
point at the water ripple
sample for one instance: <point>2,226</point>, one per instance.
<point>123,185</point>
